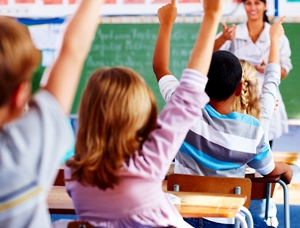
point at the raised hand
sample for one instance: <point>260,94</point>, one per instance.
<point>213,7</point>
<point>203,49</point>
<point>228,32</point>
<point>276,30</point>
<point>168,13</point>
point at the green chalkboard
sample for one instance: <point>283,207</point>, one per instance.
<point>132,45</point>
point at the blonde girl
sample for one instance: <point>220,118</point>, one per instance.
<point>248,102</point>
<point>124,150</point>
<point>262,107</point>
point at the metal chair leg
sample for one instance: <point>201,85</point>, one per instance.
<point>237,191</point>
<point>268,196</point>
<point>286,204</point>
<point>249,216</point>
<point>242,220</point>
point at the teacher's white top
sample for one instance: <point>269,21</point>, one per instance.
<point>244,48</point>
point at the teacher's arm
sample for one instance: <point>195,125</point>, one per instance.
<point>283,73</point>
<point>228,33</point>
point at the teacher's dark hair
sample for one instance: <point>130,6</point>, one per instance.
<point>265,18</point>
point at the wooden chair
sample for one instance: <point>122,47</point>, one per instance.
<point>263,188</point>
<point>225,185</point>
<point>79,224</point>
<point>60,178</point>
<point>208,184</point>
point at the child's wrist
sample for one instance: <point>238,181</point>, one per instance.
<point>213,16</point>
<point>274,39</point>
<point>166,25</point>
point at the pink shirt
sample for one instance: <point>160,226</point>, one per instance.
<point>138,200</point>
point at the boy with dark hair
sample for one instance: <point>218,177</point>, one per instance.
<point>222,143</point>
<point>225,74</point>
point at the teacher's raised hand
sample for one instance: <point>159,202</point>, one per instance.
<point>276,30</point>
<point>228,32</point>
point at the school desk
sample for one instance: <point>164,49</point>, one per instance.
<point>192,204</point>
<point>289,158</point>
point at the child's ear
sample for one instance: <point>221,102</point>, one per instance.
<point>238,91</point>
<point>21,95</point>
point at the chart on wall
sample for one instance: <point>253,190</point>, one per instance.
<point>63,8</point>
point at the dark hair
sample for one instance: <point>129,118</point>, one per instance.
<point>265,18</point>
<point>224,75</point>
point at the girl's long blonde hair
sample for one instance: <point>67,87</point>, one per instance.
<point>117,113</point>
<point>248,102</point>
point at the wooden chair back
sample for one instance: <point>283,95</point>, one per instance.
<point>79,224</point>
<point>259,186</point>
<point>196,183</point>
<point>60,178</point>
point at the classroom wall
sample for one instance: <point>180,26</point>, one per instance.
<point>132,45</point>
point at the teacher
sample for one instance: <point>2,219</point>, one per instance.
<point>251,41</point>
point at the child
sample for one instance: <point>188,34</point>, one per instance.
<point>222,142</point>
<point>123,150</point>
<point>31,145</point>
<point>263,107</point>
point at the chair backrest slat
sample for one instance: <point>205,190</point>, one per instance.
<point>225,185</point>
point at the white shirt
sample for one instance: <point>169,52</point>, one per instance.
<point>244,48</point>
<point>31,148</point>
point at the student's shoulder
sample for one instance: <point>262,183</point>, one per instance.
<point>245,119</point>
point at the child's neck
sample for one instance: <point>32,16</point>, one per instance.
<point>222,107</point>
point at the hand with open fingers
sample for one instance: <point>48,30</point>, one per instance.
<point>213,7</point>
<point>276,30</point>
<point>168,13</point>
<point>261,68</point>
<point>228,32</point>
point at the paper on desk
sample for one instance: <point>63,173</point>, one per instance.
<point>174,199</point>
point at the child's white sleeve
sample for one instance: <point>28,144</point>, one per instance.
<point>269,94</point>
<point>167,86</point>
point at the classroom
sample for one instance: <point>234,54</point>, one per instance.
<point>195,187</point>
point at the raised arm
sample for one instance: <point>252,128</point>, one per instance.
<point>272,76</point>
<point>276,32</point>
<point>228,33</point>
<point>166,15</point>
<point>78,37</point>
<point>203,49</point>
